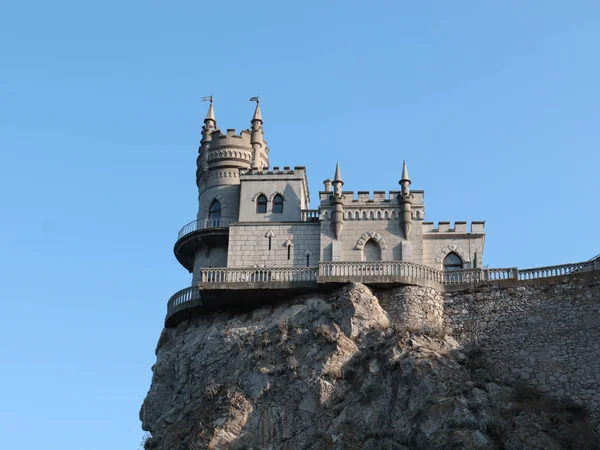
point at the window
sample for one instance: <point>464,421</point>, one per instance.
<point>371,251</point>
<point>269,243</point>
<point>214,212</point>
<point>289,251</point>
<point>261,204</point>
<point>278,204</point>
<point>452,262</point>
<point>307,260</point>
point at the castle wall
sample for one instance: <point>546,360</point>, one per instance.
<point>214,256</point>
<point>249,244</point>
<point>544,333</point>
<point>228,196</point>
<point>289,183</point>
<point>389,236</point>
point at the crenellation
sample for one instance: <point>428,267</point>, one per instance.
<point>443,227</point>
<point>460,227</point>
<point>244,199</point>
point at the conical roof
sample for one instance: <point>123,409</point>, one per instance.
<point>210,115</point>
<point>257,114</point>
<point>338,174</point>
<point>405,172</point>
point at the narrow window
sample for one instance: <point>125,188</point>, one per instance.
<point>269,243</point>
<point>278,204</point>
<point>289,251</point>
<point>261,204</point>
<point>214,213</point>
<point>307,260</point>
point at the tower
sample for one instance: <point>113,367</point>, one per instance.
<point>405,199</point>
<point>221,159</point>
<point>338,202</point>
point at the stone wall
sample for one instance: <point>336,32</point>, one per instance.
<point>544,333</point>
<point>249,244</point>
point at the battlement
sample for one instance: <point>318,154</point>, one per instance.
<point>372,198</point>
<point>459,227</point>
<point>299,171</point>
<point>231,139</point>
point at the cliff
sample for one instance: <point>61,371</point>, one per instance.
<point>352,369</point>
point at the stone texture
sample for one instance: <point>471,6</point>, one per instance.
<point>357,369</point>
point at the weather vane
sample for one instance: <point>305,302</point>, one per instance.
<point>207,98</point>
<point>255,99</point>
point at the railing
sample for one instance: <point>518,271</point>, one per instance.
<point>379,269</point>
<point>182,297</point>
<point>257,274</point>
<point>203,225</point>
<point>555,271</point>
<point>309,215</point>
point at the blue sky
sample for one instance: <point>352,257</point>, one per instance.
<point>494,105</point>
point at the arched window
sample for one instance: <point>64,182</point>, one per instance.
<point>261,204</point>
<point>452,262</point>
<point>278,204</point>
<point>214,212</point>
<point>371,251</point>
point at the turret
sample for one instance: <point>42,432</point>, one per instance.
<point>338,199</point>
<point>259,145</point>
<point>405,203</point>
<point>210,125</point>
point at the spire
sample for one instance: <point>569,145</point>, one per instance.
<point>405,173</point>
<point>337,182</point>
<point>259,145</point>
<point>210,115</point>
<point>338,175</point>
<point>257,114</point>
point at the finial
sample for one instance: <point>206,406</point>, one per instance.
<point>405,173</point>
<point>257,114</point>
<point>210,115</point>
<point>338,174</point>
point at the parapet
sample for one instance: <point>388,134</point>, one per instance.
<point>231,139</point>
<point>459,227</point>
<point>372,198</point>
<point>299,171</point>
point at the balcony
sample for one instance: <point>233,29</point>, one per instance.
<point>194,234</point>
<point>258,278</point>
<point>248,287</point>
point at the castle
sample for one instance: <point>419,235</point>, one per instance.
<point>253,216</point>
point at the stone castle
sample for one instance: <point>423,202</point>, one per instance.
<point>312,295</point>
<point>254,216</point>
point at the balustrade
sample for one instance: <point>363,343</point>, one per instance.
<point>309,215</point>
<point>258,274</point>
<point>203,225</point>
<point>183,296</point>
<point>555,271</point>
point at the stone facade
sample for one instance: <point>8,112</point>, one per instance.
<point>238,191</point>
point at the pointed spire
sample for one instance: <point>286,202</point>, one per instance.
<point>257,114</point>
<point>338,175</point>
<point>405,173</point>
<point>210,115</point>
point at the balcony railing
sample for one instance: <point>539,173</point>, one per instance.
<point>184,296</point>
<point>309,215</point>
<point>258,274</point>
<point>362,269</point>
<point>203,225</point>
<point>556,271</point>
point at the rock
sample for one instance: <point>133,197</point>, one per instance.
<point>329,371</point>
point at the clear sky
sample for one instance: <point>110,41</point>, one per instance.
<point>494,105</point>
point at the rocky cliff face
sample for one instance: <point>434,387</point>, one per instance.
<point>337,371</point>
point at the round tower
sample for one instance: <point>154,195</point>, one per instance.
<point>338,202</point>
<point>221,156</point>
<point>405,202</point>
